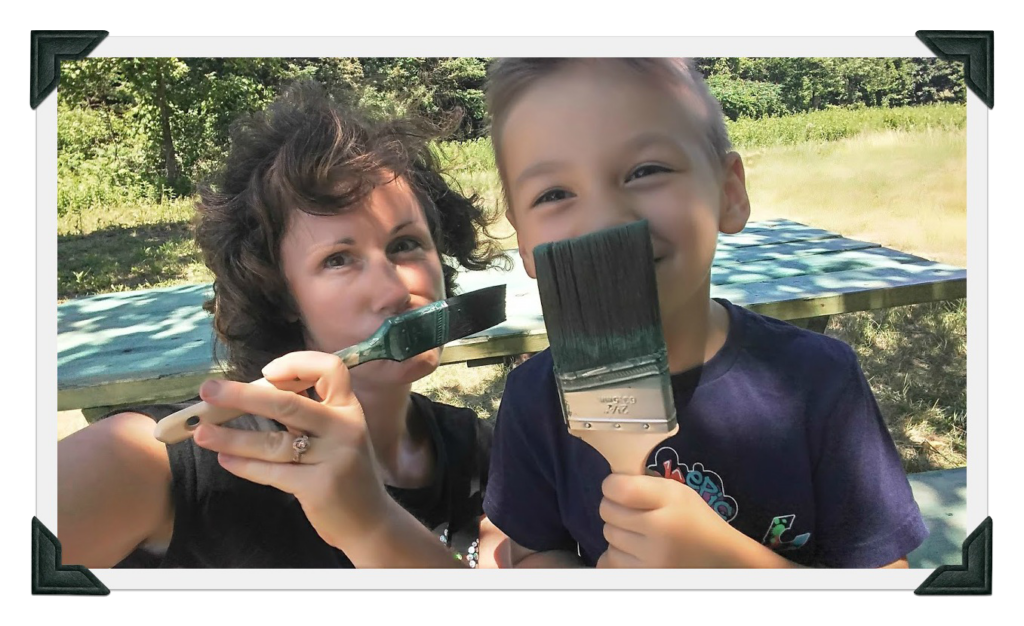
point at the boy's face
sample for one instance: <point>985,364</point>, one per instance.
<point>597,145</point>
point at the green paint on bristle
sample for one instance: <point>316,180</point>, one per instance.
<point>431,326</point>
<point>419,330</point>
<point>599,294</point>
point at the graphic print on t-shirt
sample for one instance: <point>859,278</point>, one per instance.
<point>779,526</point>
<point>705,482</point>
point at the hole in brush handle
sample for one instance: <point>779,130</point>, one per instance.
<point>179,426</point>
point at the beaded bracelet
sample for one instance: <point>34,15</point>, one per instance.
<point>472,556</point>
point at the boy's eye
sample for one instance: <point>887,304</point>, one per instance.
<point>646,170</point>
<point>406,244</point>
<point>553,195</point>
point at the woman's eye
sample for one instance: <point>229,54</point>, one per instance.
<point>553,195</point>
<point>407,244</point>
<point>338,259</point>
<point>646,170</point>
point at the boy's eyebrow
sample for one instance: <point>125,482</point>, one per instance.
<point>635,143</point>
<point>653,138</point>
<point>537,169</point>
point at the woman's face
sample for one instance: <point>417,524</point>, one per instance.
<point>350,272</point>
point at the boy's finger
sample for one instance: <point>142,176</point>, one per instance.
<point>635,492</point>
<point>615,558</point>
<point>625,540</point>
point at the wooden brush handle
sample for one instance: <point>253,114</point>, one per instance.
<point>177,426</point>
<point>626,452</point>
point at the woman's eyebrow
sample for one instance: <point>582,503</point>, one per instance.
<point>401,226</point>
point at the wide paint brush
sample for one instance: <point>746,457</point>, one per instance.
<point>399,338</point>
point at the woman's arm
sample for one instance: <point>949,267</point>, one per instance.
<point>113,491</point>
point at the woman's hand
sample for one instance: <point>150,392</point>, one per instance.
<point>336,479</point>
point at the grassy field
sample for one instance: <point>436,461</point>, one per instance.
<point>904,189</point>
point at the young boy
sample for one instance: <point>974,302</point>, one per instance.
<point>782,458</point>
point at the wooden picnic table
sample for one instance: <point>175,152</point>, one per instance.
<point>157,344</point>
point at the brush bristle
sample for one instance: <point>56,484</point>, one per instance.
<point>599,294</point>
<point>475,311</point>
<point>435,325</point>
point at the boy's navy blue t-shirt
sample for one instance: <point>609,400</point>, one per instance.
<point>778,432</point>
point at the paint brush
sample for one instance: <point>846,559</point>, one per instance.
<point>399,338</point>
<point>599,294</point>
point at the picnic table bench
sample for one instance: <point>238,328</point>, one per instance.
<point>157,344</point>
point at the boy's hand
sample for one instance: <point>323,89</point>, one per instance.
<point>654,522</point>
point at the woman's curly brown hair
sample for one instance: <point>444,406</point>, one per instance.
<point>312,152</point>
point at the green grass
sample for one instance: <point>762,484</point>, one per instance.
<point>915,359</point>
<point>127,248</point>
<point>836,124</point>
<point>899,180</point>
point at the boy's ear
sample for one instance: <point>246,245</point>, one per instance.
<point>735,209</point>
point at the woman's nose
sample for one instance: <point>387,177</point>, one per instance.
<point>391,293</point>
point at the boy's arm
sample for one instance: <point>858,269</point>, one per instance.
<point>522,498</point>
<point>865,512</point>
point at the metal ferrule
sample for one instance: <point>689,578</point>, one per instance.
<point>631,396</point>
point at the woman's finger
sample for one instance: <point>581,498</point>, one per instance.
<point>291,409</point>
<point>273,447</point>
<point>287,477</point>
<point>326,372</point>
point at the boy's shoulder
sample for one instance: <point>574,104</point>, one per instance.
<point>535,372</point>
<point>787,347</point>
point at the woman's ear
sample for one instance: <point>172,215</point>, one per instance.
<point>735,208</point>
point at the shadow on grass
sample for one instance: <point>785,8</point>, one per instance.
<point>476,388</point>
<point>915,359</point>
<point>123,258</point>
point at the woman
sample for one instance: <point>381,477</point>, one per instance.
<point>324,225</point>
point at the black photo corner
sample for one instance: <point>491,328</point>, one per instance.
<point>49,48</point>
<point>973,48</point>
<point>50,576</point>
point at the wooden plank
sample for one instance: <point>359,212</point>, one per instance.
<point>746,240</point>
<point>140,391</point>
<point>845,292</point>
<point>846,260</point>
<point>750,254</point>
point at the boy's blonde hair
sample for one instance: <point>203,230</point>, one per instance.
<point>508,78</point>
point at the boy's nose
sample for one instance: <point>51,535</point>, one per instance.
<point>391,295</point>
<point>610,211</point>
